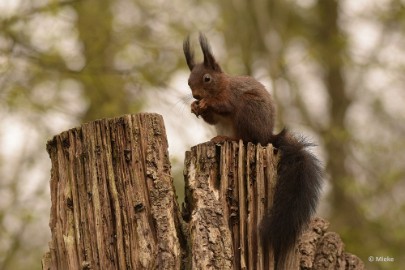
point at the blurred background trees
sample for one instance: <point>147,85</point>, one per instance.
<point>336,69</point>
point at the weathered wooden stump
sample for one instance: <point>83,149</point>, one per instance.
<point>114,204</point>
<point>113,201</point>
<point>227,188</point>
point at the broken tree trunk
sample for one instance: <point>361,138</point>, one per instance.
<point>229,186</point>
<point>114,204</point>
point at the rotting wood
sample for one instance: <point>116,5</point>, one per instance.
<point>234,183</point>
<point>114,205</point>
<point>113,201</point>
<point>230,182</point>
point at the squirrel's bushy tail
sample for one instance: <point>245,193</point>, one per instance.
<point>295,198</point>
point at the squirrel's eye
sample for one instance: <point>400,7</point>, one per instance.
<point>207,78</point>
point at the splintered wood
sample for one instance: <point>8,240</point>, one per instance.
<point>229,186</point>
<point>114,204</point>
<point>113,201</point>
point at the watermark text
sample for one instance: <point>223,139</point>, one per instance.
<point>381,259</point>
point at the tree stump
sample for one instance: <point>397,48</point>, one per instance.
<point>114,204</point>
<point>229,186</point>
<point>113,201</point>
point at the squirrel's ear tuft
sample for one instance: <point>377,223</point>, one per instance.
<point>209,59</point>
<point>188,53</point>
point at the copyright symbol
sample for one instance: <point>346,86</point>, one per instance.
<point>371,259</point>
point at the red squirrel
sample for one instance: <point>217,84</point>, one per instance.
<point>241,108</point>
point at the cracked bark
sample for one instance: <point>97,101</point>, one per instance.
<point>227,181</point>
<point>114,204</point>
<point>113,201</point>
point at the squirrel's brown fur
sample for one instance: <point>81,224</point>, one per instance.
<point>241,108</point>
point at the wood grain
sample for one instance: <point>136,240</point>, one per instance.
<point>114,204</point>
<point>229,186</point>
<point>113,201</point>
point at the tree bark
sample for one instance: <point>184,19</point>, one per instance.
<point>113,201</point>
<point>226,196</point>
<point>114,204</point>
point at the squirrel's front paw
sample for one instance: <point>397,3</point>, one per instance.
<point>195,108</point>
<point>198,107</point>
